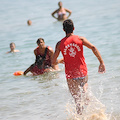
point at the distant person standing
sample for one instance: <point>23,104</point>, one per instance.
<point>12,48</point>
<point>71,47</point>
<point>61,12</point>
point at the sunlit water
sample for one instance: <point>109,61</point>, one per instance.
<point>47,97</point>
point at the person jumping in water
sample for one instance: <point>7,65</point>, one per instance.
<point>71,47</point>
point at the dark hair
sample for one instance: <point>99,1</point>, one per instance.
<point>38,41</point>
<point>12,43</point>
<point>68,26</point>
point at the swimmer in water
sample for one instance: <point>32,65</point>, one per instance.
<point>71,47</point>
<point>44,56</point>
<point>29,22</point>
<point>12,48</point>
<point>61,12</point>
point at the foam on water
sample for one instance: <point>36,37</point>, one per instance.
<point>93,109</point>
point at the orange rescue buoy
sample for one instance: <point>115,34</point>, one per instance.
<point>18,73</point>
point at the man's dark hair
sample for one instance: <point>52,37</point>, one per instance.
<point>12,43</point>
<point>38,41</point>
<point>68,26</point>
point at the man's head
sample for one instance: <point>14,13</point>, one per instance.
<point>40,42</point>
<point>12,46</point>
<point>68,26</point>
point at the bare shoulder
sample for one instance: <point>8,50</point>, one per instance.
<point>50,48</point>
<point>55,11</point>
<point>35,51</point>
<point>67,10</point>
<point>58,43</point>
<point>82,38</point>
<point>86,42</point>
<point>17,51</point>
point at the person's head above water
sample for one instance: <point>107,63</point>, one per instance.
<point>39,40</point>
<point>68,26</point>
<point>29,22</point>
<point>12,46</point>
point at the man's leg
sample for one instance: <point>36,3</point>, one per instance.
<point>74,88</point>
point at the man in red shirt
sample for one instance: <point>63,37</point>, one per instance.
<point>71,47</point>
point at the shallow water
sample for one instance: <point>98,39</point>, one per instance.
<point>47,97</point>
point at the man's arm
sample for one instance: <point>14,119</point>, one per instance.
<point>96,53</point>
<point>56,54</point>
<point>27,70</point>
<point>35,52</point>
<point>51,52</point>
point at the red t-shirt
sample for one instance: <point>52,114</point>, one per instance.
<point>72,51</point>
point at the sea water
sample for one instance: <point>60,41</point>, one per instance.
<point>46,97</point>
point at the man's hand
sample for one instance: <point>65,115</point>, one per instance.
<point>101,68</point>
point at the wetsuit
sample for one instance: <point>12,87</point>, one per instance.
<point>72,51</point>
<point>42,63</point>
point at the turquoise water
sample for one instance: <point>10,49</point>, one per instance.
<point>45,97</point>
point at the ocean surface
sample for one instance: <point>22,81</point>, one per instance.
<point>46,97</point>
